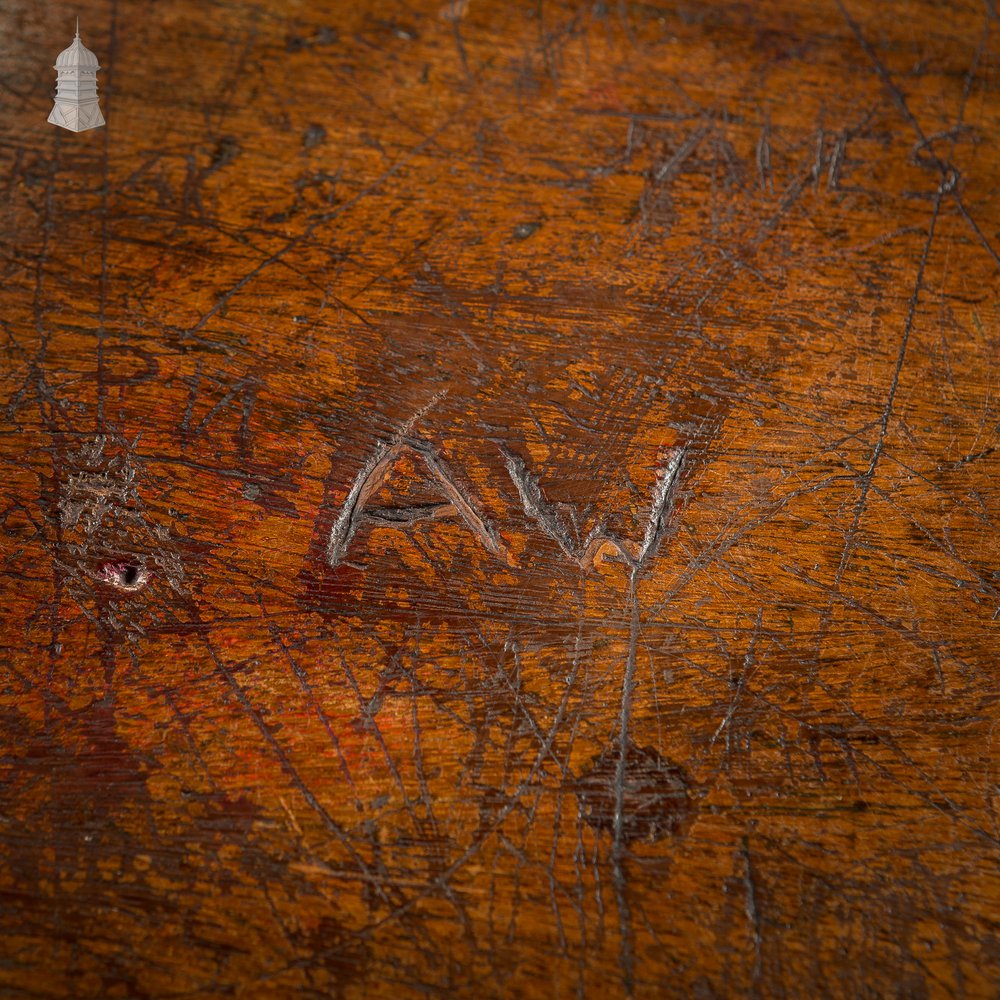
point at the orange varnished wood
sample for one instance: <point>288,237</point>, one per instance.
<point>500,500</point>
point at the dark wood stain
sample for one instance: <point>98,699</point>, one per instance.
<point>655,800</point>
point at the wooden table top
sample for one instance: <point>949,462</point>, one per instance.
<point>501,500</point>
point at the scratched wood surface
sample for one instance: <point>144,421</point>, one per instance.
<point>500,500</point>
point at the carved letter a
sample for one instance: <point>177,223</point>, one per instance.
<point>374,475</point>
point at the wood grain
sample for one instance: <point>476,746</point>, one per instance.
<point>500,500</point>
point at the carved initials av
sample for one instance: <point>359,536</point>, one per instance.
<point>456,501</point>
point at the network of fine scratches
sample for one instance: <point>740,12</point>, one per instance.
<point>480,522</point>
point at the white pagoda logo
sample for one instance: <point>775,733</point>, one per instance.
<point>76,106</point>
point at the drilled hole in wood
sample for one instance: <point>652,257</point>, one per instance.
<point>123,575</point>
